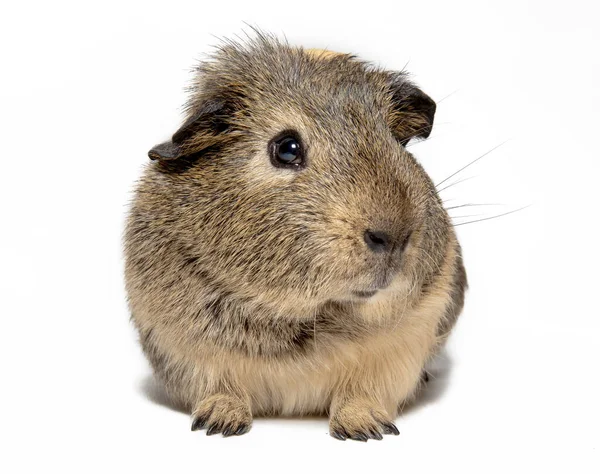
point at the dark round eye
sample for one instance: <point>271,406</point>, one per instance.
<point>287,152</point>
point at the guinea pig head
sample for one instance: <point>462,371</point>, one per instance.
<point>290,182</point>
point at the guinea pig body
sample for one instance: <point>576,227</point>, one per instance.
<point>285,254</point>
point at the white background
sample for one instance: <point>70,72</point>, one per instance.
<point>87,90</point>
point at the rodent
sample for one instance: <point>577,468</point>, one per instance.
<point>284,253</point>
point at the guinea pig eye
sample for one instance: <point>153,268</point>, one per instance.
<point>286,151</point>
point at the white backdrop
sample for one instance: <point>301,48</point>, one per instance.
<point>88,89</point>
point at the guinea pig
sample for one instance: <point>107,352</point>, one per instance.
<point>284,253</point>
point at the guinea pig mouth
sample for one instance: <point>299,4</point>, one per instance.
<point>364,294</point>
<point>382,280</point>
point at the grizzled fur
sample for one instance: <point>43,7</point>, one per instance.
<point>242,276</point>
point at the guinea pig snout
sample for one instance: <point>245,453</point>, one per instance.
<point>385,247</point>
<point>377,240</point>
<point>384,241</point>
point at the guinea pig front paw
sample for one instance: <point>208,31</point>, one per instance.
<point>360,421</point>
<point>222,413</point>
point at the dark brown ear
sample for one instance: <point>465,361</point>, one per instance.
<point>199,132</point>
<point>164,151</point>
<point>412,111</point>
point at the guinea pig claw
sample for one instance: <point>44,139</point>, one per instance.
<point>339,435</point>
<point>242,430</point>
<point>231,430</point>
<point>198,423</point>
<point>390,428</point>
<point>228,431</point>
<point>360,437</point>
<point>213,429</point>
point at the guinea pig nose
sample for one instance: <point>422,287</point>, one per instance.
<point>377,240</point>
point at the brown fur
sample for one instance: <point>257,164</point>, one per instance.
<point>240,274</point>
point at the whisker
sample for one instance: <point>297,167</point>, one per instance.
<point>424,140</point>
<point>471,163</point>
<point>449,95</point>
<point>464,217</point>
<point>493,217</point>
<point>436,266</point>
<point>415,141</point>
<point>455,183</point>
<point>471,205</point>
<point>404,68</point>
<point>434,135</point>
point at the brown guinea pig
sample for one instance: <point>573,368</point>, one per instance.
<point>285,253</point>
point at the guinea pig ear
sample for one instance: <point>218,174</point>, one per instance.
<point>164,151</point>
<point>199,132</point>
<point>412,111</point>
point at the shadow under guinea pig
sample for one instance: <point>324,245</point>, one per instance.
<point>154,391</point>
<point>438,371</point>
